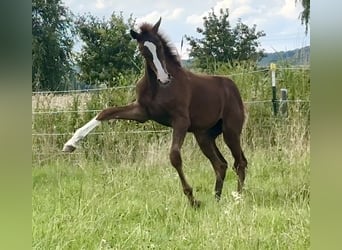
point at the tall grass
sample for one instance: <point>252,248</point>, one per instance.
<point>118,190</point>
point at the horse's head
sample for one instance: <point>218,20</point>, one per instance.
<point>151,47</point>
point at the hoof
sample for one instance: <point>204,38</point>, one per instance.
<point>196,203</point>
<point>217,197</point>
<point>68,148</point>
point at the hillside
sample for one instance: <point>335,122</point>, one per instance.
<point>294,57</point>
<point>299,56</point>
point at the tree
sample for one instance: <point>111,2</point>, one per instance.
<point>52,42</point>
<point>223,44</point>
<point>305,14</point>
<point>246,42</point>
<point>108,51</point>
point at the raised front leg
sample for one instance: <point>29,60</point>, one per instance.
<point>130,112</point>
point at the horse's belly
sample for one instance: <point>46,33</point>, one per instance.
<point>202,125</point>
<point>204,118</point>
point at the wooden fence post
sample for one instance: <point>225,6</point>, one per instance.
<point>274,90</point>
<point>283,102</point>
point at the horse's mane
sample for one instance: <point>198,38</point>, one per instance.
<point>169,49</point>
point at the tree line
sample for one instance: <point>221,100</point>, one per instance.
<point>108,53</point>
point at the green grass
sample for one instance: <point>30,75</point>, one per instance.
<point>104,205</point>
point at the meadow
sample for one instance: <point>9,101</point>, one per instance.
<point>119,191</point>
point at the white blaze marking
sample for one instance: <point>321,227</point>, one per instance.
<point>162,75</point>
<point>82,132</point>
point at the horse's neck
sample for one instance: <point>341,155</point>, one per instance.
<point>151,83</point>
<point>150,75</point>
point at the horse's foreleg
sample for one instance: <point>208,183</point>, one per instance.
<point>179,132</point>
<point>130,112</point>
<point>79,134</point>
<point>133,111</point>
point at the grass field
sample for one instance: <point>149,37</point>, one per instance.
<point>101,205</point>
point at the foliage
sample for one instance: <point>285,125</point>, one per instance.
<point>305,14</point>
<point>52,42</point>
<point>108,52</point>
<point>222,43</point>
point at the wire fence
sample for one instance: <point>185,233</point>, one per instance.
<point>133,86</point>
<point>49,112</point>
<point>99,110</point>
<point>102,133</point>
<point>81,90</point>
<point>136,131</point>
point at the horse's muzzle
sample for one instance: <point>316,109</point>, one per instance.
<point>166,82</point>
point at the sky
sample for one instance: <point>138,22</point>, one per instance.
<point>279,19</point>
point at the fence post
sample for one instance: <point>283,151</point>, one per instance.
<point>283,102</point>
<point>274,90</point>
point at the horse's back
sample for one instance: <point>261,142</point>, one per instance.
<point>218,89</point>
<point>214,98</point>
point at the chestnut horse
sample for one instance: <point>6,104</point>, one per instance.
<point>204,105</point>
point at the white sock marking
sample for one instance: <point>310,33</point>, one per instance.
<point>162,75</point>
<point>82,132</point>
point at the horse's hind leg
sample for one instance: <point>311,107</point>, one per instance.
<point>232,139</point>
<point>210,150</point>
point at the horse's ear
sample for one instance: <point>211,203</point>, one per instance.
<point>135,35</point>
<point>156,26</point>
